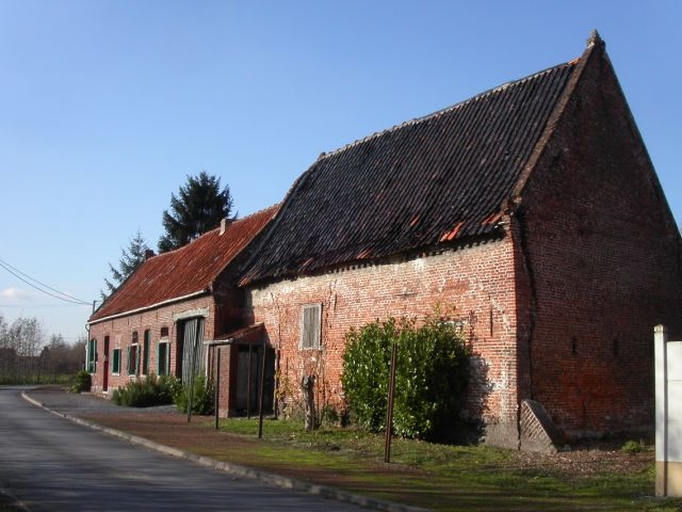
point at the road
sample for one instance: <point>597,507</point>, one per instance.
<point>52,464</point>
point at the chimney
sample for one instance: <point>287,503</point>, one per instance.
<point>148,254</point>
<point>223,225</point>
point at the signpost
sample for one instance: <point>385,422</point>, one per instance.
<point>668,414</point>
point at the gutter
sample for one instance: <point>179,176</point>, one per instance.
<point>152,306</point>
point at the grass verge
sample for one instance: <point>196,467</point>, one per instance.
<point>437,477</point>
<point>444,477</point>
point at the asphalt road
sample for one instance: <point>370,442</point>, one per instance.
<point>51,464</point>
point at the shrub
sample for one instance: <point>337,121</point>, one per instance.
<point>145,392</point>
<point>431,375</point>
<point>631,447</point>
<point>82,382</point>
<point>202,397</point>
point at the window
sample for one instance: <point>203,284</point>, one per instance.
<point>163,358</point>
<point>92,355</point>
<point>134,356</point>
<point>164,332</point>
<point>311,326</point>
<point>116,361</point>
<point>145,352</point>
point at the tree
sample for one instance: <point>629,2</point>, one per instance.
<point>20,347</point>
<point>61,358</point>
<point>199,207</point>
<point>130,259</point>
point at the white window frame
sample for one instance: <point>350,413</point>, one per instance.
<point>116,357</point>
<point>166,362</point>
<point>133,359</point>
<point>311,327</point>
<point>92,356</point>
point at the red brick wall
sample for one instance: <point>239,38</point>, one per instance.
<point>605,265</point>
<point>120,331</point>
<point>476,280</point>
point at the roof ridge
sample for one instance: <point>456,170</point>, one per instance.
<point>233,220</point>
<point>445,110</point>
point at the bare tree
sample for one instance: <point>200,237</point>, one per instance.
<point>60,358</point>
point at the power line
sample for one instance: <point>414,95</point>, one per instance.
<point>41,306</point>
<point>27,279</point>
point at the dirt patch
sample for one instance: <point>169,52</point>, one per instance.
<point>586,460</point>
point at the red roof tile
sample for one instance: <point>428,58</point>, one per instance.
<point>187,271</point>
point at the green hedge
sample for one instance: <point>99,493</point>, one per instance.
<point>202,397</point>
<point>147,392</point>
<point>431,375</point>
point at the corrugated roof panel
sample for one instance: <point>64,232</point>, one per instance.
<point>185,271</point>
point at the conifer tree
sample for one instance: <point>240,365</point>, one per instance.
<point>131,257</point>
<point>199,207</point>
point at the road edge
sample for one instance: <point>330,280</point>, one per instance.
<point>271,479</point>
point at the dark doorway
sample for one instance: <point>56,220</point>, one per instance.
<point>248,379</point>
<point>191,351</point>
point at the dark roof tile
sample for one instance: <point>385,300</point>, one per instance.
<point>426,182</point>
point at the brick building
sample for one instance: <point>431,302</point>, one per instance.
<point>533,208</point>
<point>164,317</point>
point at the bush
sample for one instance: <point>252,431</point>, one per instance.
<point>82,382</point>
<point>431,375</point>
<point>146,392</point>
<point>631,447</point>
<point>202,397</point>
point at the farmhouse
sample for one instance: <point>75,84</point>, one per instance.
<point>530,213</point>
<point>532,208</point>
<point>161,319</point>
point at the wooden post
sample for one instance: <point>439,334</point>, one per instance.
<point>248,386</point>
<point>389,409</point>
<point>261,392</point>
<point>217,387</point>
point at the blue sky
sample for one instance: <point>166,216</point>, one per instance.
<point>106,106</point>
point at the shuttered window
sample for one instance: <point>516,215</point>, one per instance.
<point>92,355</point>
<point>163,358</point>
<point>116,361</point>
<point>311,326</point>
<point>133,359</point>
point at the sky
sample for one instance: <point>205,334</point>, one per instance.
<point>107,106</point>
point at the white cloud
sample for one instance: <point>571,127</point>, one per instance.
<point>15,294</point>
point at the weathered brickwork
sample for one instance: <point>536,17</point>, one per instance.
<point>120,333</point>
<point>602,265</point>
<point>477,281</point>
<point>564,258</point>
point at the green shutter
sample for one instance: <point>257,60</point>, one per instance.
<point>162,359</point>
<point>92,355</point>
<point>116,361</point>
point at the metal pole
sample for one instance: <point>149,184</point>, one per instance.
<point>261,392</point>
<point>216,406</point>
<point>389,409</point>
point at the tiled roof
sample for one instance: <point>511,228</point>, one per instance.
<point>189,270</point>
<point>426,182</point>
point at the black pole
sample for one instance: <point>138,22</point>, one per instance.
<point>216,406</point>
<point>248,387</point>
<point>261,392</point>
<point>389,409</point>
